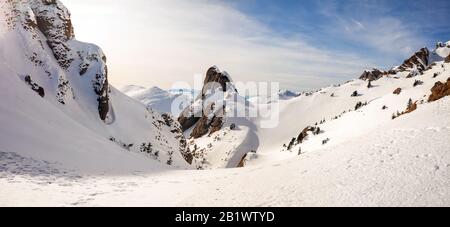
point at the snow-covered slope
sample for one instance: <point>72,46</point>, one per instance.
<point>332,109</point>
<point>57,104</point>
<point>405,164</point>
<point>158,99</point>
<point>69,138</point>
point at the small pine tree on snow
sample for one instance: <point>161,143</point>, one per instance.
<point>291,144</point>
<point>317,131</point>
<point>358,106</point>
<point>410,104</point>
<point>355,94</point>
<point>417,83</point>
<point>169,161</point>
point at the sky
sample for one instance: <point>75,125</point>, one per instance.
<point>304,45</point>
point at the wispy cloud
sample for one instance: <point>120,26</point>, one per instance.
<point>370,24</point>
<point>159,42</point>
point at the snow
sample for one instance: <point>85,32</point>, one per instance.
<point>54,154</point>
<point>392,168</point>
<point>159,99</point>
<point>64,126</point>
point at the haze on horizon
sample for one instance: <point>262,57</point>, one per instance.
<point>303,45</point>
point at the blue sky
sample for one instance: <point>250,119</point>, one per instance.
<point>303,45</point>
<point>343,25</point>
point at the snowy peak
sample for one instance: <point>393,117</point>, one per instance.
<point>48,34</point>
<point>45,65</point>
<point>206,113</point>
<point>419,61</point>
<point>158,99</point>
<point>215,77</point>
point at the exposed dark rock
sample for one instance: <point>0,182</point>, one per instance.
<point>417,83</point>
<point>355,94</point>
<point>34,86</point>
<point>439,90</point>
<point>398,91</point>
<point>242,162</point>
<point>53,20</point>
<point>372,75</point>
<point>201,128</point>
<point>358,106</point>
<point>213,78</point>
<point>419,60</point>
<point>216,124</point>
<point>205,121</point>
<point>187,119</point>
<point>101,88</point>
<point>413,73</point>
<point>447,59</point>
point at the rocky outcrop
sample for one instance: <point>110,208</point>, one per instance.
<point>439,90</point>
<point>397,91</point>
<point>419,61</point>
<point>34,86</point>
<point>447,59</point>
<point>242,162</point>
<point>53,20</point>
<point>215,77</point>
<point>206,117</point>
<point>373,74</point>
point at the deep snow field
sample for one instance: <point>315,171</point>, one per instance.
<point>83,142</point>
<point>371,160</point>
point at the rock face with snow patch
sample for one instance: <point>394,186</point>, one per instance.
<point>207,117</point>
<point>48,23</point>
<point>71,76</point>
<point>218,139</point>
<point>372,75</point>
<point>419,61</point>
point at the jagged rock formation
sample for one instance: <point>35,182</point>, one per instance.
<point>217,124</point>
<point>419,61</point>
<point>439,90</point>
<point>49,23</point>
<point>34,86</point>
<point>53,20</point>
<point>372,75</point>
<point>72,79</point>
<point>206,115</point>
<point>416,64</point>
